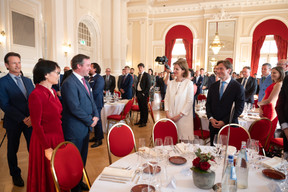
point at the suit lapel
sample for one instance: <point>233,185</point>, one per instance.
<point>81,85</point>
<point>13,84</point>
<point>227,88</point>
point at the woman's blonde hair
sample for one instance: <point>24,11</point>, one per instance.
<point>182,63</point>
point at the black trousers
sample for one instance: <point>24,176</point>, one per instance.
<point>143,106</point>
<point>285,142</point>
<point>13,141</point>
<point>98,130</point>
<point>213,132</point>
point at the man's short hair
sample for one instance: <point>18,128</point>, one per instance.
<point>42,68</point>
<point>126,67</point>
<point>227,64</point>
<point>247,67</point>
<point>141,65</point>
<point>97,67</point>
<point>10,54</point>
<point>78,59</point>
<point>268,65</point>
<point>202,69</point>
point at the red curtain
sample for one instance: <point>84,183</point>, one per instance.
<point>188,47</point>
<point>168,50</point>
<point>256,46</point>
<point>282,47</point>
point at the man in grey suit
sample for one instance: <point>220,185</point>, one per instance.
<point>265,80</point>
<point>284,64</point>
<point>79,110</point>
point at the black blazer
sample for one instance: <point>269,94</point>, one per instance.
<point>199,84</point>
<point>112,84</point>
<point>250,89</point>
<point>282,104</point>
<point>220,109</point>
<point>145,83</point>
<point>97,86</point>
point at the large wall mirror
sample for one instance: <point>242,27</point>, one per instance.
<point>226,33</point>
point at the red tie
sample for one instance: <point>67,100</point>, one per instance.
<point>84,83</point>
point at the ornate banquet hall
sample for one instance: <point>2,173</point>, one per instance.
<point>119,33</point>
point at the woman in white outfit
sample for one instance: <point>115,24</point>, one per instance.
<point>179,100</point>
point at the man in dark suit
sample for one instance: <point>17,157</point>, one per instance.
<point>213,78</point>
<point>142,93</point>
<point>221,97</point>
<point>14,92</point>
<point>79,110</point>
<point>109,80</point>
<point>97,83</point>
<point>198,80</point>
<point>135,81</point>
<point>57,87</point>
<point>120,78</point>
<point>249,83</point>
<point>126,84</point>
<point>282,111</point>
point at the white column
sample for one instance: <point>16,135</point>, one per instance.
<point>107,35</point>
<point>143,29</point>
<point>124,44</point>
<point>116,37</point>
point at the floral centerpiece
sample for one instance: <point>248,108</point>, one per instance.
<point>203,176</point>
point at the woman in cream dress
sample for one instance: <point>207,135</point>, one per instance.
<point>179,101</point>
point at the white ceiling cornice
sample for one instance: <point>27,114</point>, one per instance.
<point>204,6</point>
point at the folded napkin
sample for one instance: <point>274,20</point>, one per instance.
<point>272,162</point>
<point>148,151</point>
<point>181,148</point>
<point>118,172</point>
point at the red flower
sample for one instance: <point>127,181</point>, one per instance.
<point>204,166</point>
<point>196,162</point>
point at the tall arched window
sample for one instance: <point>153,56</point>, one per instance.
<point>178,51</point>
<point>84,36</point>
<point>179,32</point>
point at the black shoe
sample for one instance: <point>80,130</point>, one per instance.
<point>142,125</point>
<point>93,139</point>
<point>83,186</point>
<point>18,181</point>
<point>96,144</point>
<point>139,123</point>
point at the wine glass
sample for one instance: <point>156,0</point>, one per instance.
<point>168,143</point>
<point>253,150</point>
<point>223,144</point>
<point>217,144</point>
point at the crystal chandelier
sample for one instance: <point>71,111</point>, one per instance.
<point>216,45</point>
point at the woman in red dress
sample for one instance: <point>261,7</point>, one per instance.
<point>267,105</point>
<point>45,112</point>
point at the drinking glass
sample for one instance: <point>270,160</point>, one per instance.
<point>217,143</point>
<point>168,143</point>
<point>253,150</point>
<point>223,144</point>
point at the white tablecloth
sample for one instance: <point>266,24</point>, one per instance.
<point>244,122</point>
<point>111,109</point>
<point>257,182</point>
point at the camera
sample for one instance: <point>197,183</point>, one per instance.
<point>162,61</point>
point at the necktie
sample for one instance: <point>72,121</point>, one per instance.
<point>21,86</point>
<point>244,82</point>
<point>222,88</point>
<point>84,83</point>
<point>263,79</point>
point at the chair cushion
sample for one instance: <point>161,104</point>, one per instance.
<point>115,117</point>
<point>165,128</point>
<point>277,141</point>
<point>206,134</point>
<point>135,108</point>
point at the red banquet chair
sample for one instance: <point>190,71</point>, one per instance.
<point>67,167</point>
<point>165,127</point>
<point>198,131</point>
<point>124,115</point>
<point>201,97</point>
<point>151,112</point>
<point>120,141</point>
<point>261,130</point>
<point>237,134</point>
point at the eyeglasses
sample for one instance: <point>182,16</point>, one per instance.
<point>58,73</point>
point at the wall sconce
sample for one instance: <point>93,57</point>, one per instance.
<point>2,37</point>
<point>66,48</point>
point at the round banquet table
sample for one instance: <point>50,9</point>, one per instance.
<point>257,182</point>
<point>111,109</point>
